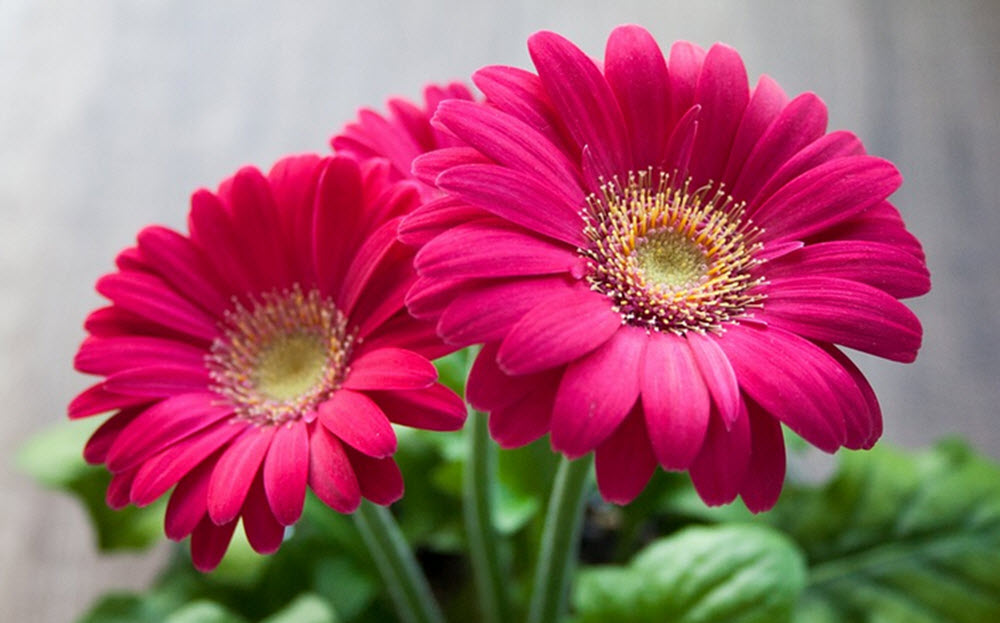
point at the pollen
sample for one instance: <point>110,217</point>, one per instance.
<point>277,359</point>
<point>672,258</point>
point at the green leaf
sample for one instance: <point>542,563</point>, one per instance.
<point>740,573</point>
<point>204,611</point>
<point>896,537</point>
<point>306,608</point>
<point>54,458</point>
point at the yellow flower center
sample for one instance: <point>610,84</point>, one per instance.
<point>277,360</point>
<point>671,258</point>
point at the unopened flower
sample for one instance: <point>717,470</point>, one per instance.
<point>263,353</point>
<point>663,263</point>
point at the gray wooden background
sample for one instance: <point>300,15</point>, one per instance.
<point>111,113</point>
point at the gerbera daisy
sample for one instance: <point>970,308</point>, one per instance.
<point>266,352</point>
<point>403,133</point>
<point>662,263</point>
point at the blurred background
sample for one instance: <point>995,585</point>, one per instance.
<point>111,113</point>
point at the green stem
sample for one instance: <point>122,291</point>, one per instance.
<point>560,541</point>
<point>407,585</point>
<point>477,501</point>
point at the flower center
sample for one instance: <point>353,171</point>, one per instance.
<point>279,359</point>
<point>671,259</point>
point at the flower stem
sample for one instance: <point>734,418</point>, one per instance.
<point>407,585</point>
<point>560,540</point>
<point>477,501</point>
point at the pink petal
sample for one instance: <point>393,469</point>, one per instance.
<point>178,261</point>
<point>390,368</point>
<point>331,475</point>
<point>429,166</point>
<point>337,210</point>
<point>864,426</point>
<point>213,234</point>
<point>520,94</point>
<point>637,73</point>
<point>597,392</point>
<point>766,472</point>
<point>258,229</point>
<point>722,464</point>
<point>587,106</point>
<point>487,312</point>
<point>882,224</point>
<point>151,298</point>
<point>526,199</point>
<point>160,472</point>
<point>838,144</point>
<point>525,419</point>
<point>435,408</point>
<point>234,473</point>
<point>625,462</point>
<point>793,380</point>
<point>159,425</point>
<point>357,420</point>
<point>286,472</point>
<point>766,102</point>
<point>159,380</point>
<point>434,218</point>
<point>405,331</point>
<point>188,503</point>
<point>385,293</point>
<point>683,66</point>
<point>96,450</point>
<point>209,543</point>
<point>844,312</point>
<point>491,249</point>
<point>675,401</point>
<point>373,251</point>
<point>489,387</point>
<point>514,144</point>
<point>825,196</point>
<point>380,479</point>
<point>263,531</point>
<point>677,155</point>
<point>107,355</point>
<point>428,297</point>
<point>558,331</point>
<point>163,424</point>
<point>96,399</point>
<point>883,266</point>
<point>723,93</point>
<point>117,495</point>
<point>800,123</point>
<point>718,374</point>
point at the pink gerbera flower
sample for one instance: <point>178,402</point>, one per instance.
<point>660,261</point>
<point>267,351</point>
<point>402,134</point>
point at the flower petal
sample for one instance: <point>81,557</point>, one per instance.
<point>188,503</point>
<point>597,392</point>
<point>235,471</point>
<point>843,312</point>
<point>766,472</point>
<point>580,93</point>
<point>286,472</point>
<point>525,419</point>
<point>96,399</point>
<point>722,464</point>
<point>723,93</point>
<point>491,249</point>
<point>183,266</point>
<point>525,199</point>
<point>718,374</point>
<point>434,408</point>
<point>675,401</point>
<point>390,368</point>
<point>159,380</point>
<point>107,355</point>
<point>625,462</point>
<point>380,479</point>
<point>263,530</point>
<point>150,297</point>
<point>357,420</point>
<point>209,543</point>
<point>331,475</point>
<point>765,104</point>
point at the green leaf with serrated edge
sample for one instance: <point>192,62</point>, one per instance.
<point>900,537</point>
<point>54,457</point>
<point>740,573</point>
<point>306,608</point>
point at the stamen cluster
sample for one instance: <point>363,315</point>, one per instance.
<point>279,359</point>
<point>673,259</point>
